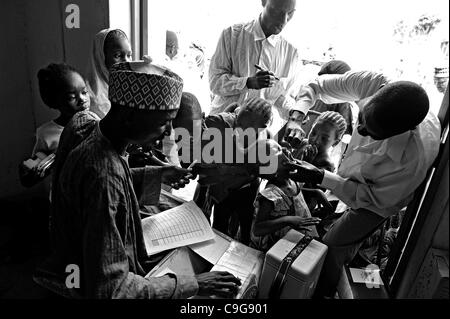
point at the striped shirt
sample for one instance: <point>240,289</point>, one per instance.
<point>96,224</point>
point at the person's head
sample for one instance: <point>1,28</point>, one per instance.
<point>116,48</point>
<point>144,100</point>
<point>256,113</point>
<point>189,111</point>
<point>334,67</point>
<point>171,44</point>
<point>62,88</point>
<point>276,14</point>
<point>394,109</point>
<point>441,79</point>
<point>327,131</point>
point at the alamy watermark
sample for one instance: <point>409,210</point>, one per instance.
<point>228,146</point>
<point>72,20</point>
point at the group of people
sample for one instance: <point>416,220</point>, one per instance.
<point>110,160</point>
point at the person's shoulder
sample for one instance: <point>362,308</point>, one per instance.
<point>288,45</point>
<point>49,130</point>
<point>93,158</point>
<point>49,126</point>
<point>219,120</point>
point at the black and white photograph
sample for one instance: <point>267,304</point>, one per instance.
<point>242,158</point>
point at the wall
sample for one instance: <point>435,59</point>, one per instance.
<point>35,35</point>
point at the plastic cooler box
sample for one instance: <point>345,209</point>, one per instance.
<point>296,279</point>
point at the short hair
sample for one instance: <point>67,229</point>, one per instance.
<point>51,79</point>
<point>189,106</point>
<point>336,120</point>
<point>334,67</point>
<point>112,37</point>
<point>259,107</point>
<point>398,107</point>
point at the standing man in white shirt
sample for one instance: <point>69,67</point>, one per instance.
<point>395,143</point>
<point>234,75</point>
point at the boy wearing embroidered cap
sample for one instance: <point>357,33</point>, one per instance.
<point>95,221</point>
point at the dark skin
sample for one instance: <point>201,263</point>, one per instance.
<point>264,225</point>
<point>274,17</point>
<point>123,126</point>
<point>305,172</point>
<point>71,98</point>
<point>119,50</point>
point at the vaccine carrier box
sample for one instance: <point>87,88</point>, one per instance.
<point>292,267</point>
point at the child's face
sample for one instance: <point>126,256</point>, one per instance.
<point>74,95</point>
<point>118,51</point>
<point>323,136</point>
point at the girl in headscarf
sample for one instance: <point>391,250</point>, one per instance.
<point>109,47</point>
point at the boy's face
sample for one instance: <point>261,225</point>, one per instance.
<point>118,51</point>
<point>74,95</point>
<point>323,136</point>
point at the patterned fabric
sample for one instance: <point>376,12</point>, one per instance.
<point>96,224</point>
<point>287,201</point>
<point>145,86</point>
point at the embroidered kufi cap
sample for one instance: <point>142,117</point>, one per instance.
<point>145,86</point>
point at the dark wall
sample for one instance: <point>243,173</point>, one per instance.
<point>34,34</point>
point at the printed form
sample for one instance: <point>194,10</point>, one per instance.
<point>180,226</point>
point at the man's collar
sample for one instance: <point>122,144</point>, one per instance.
<point>259,35</point>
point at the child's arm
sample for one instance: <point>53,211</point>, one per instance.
<point>264,225</point>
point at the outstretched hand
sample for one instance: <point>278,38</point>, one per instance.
<point>302,223</point>
<point>304,172</point>
<point>176,177</point>
<point>217,283</point>
<point>294,133</point>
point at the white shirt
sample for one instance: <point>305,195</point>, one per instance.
<point>380,176</point>
<point>240,47</point>
<point>47,138</point>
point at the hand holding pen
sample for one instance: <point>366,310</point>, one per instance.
<point>262,79</point>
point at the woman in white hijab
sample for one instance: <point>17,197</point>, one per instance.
<point>109,47</point>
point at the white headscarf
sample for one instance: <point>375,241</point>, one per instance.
<point>98,75</point>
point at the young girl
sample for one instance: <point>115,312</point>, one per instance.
<point>109,47</point>
<point>278,208</point>
<point>61,88</point>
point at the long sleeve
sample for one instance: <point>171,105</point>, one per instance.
<point>222,81</point>
<point>106,266</point>
<point>147,184</point>
<point>331,88</point>
<point>284,92</point>
<point>384,191</point>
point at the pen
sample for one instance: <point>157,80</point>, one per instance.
<point>261,69</point>
<point>192,164</point>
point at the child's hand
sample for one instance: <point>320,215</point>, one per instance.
<point>309,153</point>
<point>300,223</point>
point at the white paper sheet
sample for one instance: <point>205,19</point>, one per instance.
<point>367,276</point>
<point>180,226</point>
<point>213,249</point>
<point>246,264</point>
